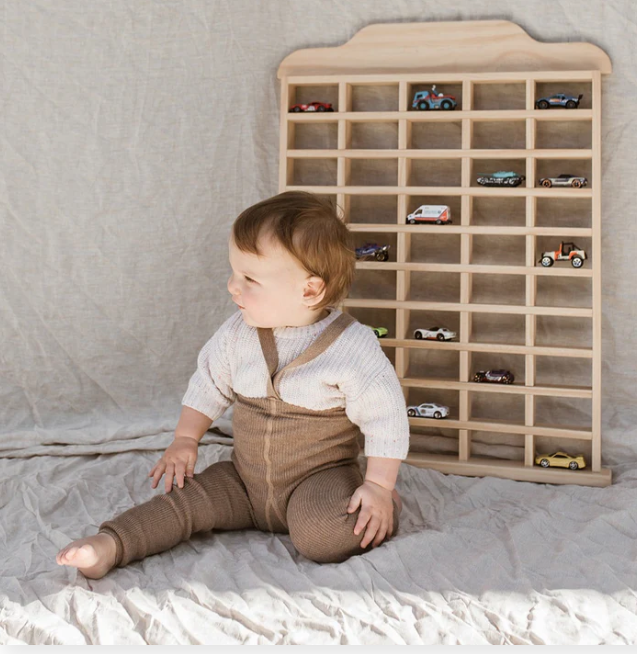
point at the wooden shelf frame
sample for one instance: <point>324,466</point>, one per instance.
<point>565,70</point>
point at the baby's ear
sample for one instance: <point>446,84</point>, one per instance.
<point>314,290</point>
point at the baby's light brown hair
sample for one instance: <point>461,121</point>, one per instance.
<point>308,227</point>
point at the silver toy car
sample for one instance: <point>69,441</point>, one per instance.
<point>564,180</point>
<point>428,410</point>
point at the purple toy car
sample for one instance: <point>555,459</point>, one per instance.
<point>373,251</point>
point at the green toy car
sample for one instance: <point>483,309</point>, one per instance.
<point>380,332</point>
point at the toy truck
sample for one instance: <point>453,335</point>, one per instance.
<point>566,252</point>
<point>425,100</point>
<point>431,213</point>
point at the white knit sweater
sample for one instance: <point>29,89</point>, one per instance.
<point>353,372</point>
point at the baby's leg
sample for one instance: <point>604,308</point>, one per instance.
<point>319,525</point>
<point>213,499</point>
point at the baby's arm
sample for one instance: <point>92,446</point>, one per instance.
<point>210,391</point>
<point>192,424</point>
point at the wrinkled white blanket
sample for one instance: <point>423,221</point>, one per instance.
<point>475,561</point>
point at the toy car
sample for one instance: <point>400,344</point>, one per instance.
<point>564,180</point>
<point>500,178</point>
<point>380,332</point>
<point>560,460</point>
<point>566,252</point>
<point>430,410</point>
<point>559,100</point>
<point>425,100</point>
<point>434,334</point>
<point>494,376</point>
<point>312,106</point>
<point>431,213</point>
<point>373,251</point>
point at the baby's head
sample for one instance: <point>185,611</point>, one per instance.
<point>291,257</point>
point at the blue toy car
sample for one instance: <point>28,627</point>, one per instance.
<point>373,251</point>
<point>500,178</point>
<point>559,100</point>
<point>425,100</point>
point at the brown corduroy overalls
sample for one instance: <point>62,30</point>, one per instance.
<point>292,470</point>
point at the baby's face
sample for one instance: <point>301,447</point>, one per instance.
<point>272,290</point>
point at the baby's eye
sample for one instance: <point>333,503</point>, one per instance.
<point>248,279</point>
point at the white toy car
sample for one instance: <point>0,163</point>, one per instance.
<point>435,334</point>
<point>431,213</point>
<point>428,410</point>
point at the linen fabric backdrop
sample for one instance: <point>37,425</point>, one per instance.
<point>133,134</point>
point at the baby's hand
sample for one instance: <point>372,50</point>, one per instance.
<point>376,514</point>
<point>178,459</point>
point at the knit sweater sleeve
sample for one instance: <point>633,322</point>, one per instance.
<point>210,389</point>
<point>375,402</point>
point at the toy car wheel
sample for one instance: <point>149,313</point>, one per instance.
<point>577,262</point>
<point>296,109</point>
<point>547,262</point>
<point>576,183</point>
<point>418,336</point>
<point>440,337</point>
<point>382,256</point>
<point>571,104</point>
<point>321,108</point>
<point>411,221</point>
<point>411,412</point>
<point>573,465</point>
<point>377,333</point>
<point>542,104</point>
<point>437,415</point>
<point>508,380</point>
<point>423,106</point>
<point>547,183</point>
<point>438,222</point>
<point>545,463</point>
<point>445,104</point>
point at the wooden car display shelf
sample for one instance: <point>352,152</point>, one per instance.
<point>470,61</point>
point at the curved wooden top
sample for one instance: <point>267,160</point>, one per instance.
<point>485,46</point>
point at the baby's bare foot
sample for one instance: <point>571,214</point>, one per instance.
<point>93,556</point>
<point>397,499</point>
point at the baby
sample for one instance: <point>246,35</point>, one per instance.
<point>308,383</point>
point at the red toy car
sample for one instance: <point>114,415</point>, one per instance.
<point>312,106</point>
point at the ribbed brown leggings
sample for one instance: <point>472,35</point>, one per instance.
<point>216,499</point>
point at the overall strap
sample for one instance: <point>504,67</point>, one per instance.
<point>323,341</point>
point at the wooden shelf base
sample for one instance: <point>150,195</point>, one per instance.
<point>449,464</point>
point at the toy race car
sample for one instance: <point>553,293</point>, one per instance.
<point>500,178</point>
<point>560,460</point>
<point>312,106</point>
<point>566,252</point>
<point>373,251</point>
<point>435,334</point>
<point>431,213</point>
<point>425,100</point>
<point>494,376</point>
<point>564,180</point>
<point>380,332</point>
<point>430,410</point>
<point>559,100</point>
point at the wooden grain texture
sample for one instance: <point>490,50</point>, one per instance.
<point>444,47</point>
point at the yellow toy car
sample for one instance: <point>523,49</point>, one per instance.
<point>560,460</point>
